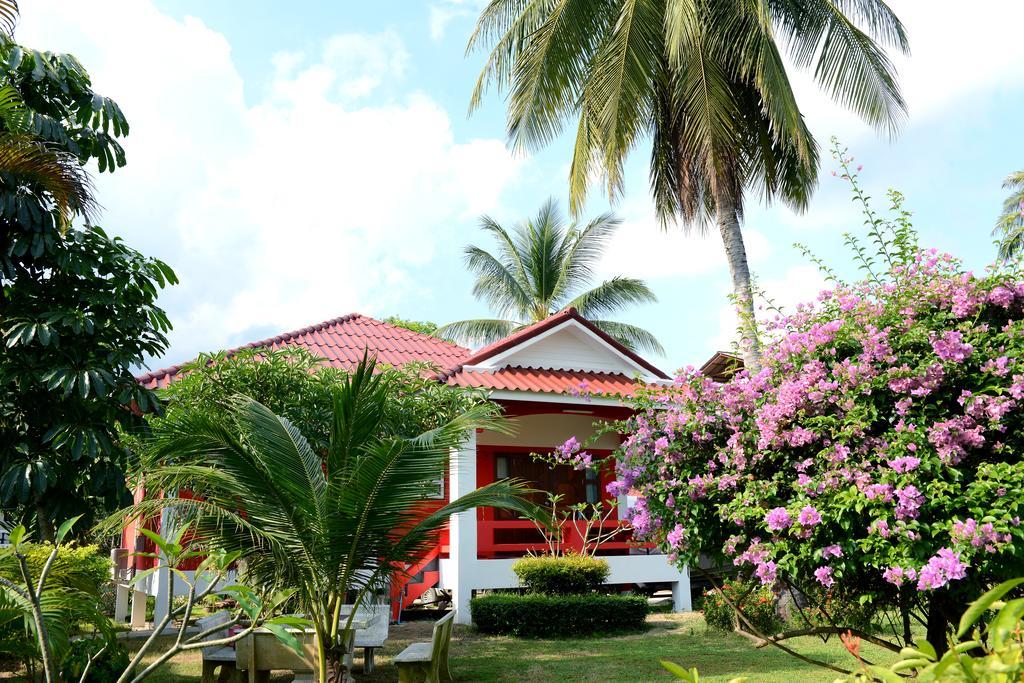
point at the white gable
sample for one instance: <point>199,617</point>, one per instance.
<point>568,346</point>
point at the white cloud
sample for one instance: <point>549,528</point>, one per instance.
<point>642,248</point>
<point>446,11</point>
<point>799,284</point>
<point>953,54</point>
<point>287,210</point>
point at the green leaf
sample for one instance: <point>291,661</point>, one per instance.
<point>885,675</point>
<point>17,535</point>
<point>983,604</point>
<point>679,672</point>
<point>1006,623</point>
<point>285,636</point>
<point>65,528</point>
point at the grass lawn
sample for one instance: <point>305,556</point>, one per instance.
<point>682,638</point>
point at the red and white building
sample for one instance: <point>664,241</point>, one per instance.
<point>554,378</point>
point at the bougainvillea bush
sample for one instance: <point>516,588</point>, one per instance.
<point>874,458</point>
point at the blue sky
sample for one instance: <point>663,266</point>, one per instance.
<point>298,161</point>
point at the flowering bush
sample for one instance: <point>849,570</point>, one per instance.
<point>757,603</point>
<point>877,452</point>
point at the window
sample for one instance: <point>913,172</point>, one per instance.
<point>573,485</point>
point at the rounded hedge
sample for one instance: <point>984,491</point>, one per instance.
<point>543,616</point>
<point>561,574</point>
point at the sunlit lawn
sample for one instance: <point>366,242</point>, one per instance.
<point>680,638</point>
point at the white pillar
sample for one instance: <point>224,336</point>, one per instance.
<point>681,593</point>
<point>462,528</point>
<point>139,609</point>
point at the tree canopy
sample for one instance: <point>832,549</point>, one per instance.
<point>78,308</point>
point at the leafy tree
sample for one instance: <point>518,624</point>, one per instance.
<point>328,525</point>
<point>875,461</point>
<point>423,327</point>
<point>1010,226</point>
<point>705,81</point>
<point>542,266</point>
<point>78,308</point>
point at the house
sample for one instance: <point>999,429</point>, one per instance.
<point>555,378</point>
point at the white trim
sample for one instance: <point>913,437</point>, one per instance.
<point>548,397</point>
<point>495,362</point>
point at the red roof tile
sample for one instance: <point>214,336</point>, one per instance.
<point>546,381</point>
<point>342,341</point>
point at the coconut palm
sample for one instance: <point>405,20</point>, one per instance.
<point>328,525</point>
<point>704,81</point>
<point>543,265</point>
<point>1010,225</point>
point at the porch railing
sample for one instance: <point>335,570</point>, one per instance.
<point>515,538</point>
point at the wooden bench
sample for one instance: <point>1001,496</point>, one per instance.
<point>428,661</point>
<point>222,657</point>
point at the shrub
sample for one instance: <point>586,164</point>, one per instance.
<point>82,567</point>
<point>757,603</point>
<point>543,616</point>
<point>106,668</point>
<point>561,575</point>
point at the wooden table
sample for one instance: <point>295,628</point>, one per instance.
<point>261,652</point>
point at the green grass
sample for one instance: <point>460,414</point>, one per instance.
<point>681,638</point>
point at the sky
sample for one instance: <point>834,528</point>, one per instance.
<point>294,162</point>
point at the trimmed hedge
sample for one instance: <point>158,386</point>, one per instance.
<point>545,616</point>
<point>561,575</point>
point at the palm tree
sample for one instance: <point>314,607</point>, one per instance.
<point>1011,223</point>
<point>327,525</point>
<point>705,81</point>
<point>542,266</point>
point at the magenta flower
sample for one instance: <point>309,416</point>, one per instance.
<point>809,516</point>
<point>904,464</point>
<point>778,519</point>
<point>944,567</point>
<point>831,551</point>
<point>824,576</point>
<point>766,572</point>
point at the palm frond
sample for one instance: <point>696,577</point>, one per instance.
<point>611,296</point>
<point>478,332</point>
<point>9,14</point>
<point>581,250</point>
<point>632,337</point>
<point>495,284</point>
<point>58,174</point>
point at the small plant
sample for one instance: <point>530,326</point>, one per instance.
<point>757,603</point>
<point>561,575</point>
<point>257,609</point>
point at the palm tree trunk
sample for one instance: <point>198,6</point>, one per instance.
<point>736,255</point>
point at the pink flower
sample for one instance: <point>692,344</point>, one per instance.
<point>906,463</point>
<point>951,346</point>
<point>676,536</point>
<point>778,519</point>
<point>766,572</point>
<point>831,551</point>
<point>809,516</point>
<point>909,500</point>
<point>940,570</point>
<point>824,576</point>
